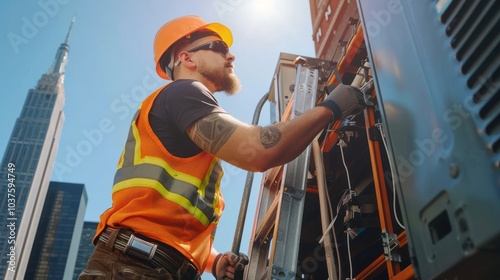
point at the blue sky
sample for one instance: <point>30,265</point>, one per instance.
<point>111,69</point>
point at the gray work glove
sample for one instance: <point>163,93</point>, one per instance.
<point>227,265</point>
<point>343,101</point>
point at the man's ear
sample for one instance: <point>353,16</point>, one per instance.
<point>186,60</point>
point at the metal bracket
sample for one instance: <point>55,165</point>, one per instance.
<point>374,133</point>
<point>366,89</point>
<point>279,273</point>
<point>353,209</point>
<point>390,242</point>
<point>294,192</point>
<point>337,73</point>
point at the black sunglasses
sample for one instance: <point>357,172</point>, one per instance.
<point>216,46</point>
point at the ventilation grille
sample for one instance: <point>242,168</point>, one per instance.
<point>474,29</point>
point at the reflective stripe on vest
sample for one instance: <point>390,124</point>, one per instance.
<point>195,195</point>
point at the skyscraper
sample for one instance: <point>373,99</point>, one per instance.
<point>27,165</point>
<point>86,248</point>
<point>59,232</point>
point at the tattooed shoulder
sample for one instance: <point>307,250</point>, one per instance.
<point>212,132</point>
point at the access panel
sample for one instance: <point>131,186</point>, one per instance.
<point>436,71</point>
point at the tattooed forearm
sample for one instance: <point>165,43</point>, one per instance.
<point>269,136</point>
<point>212,132</point>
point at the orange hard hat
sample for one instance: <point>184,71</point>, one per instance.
<point>182,27</point>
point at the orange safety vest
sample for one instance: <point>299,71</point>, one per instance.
<point>174,200</point>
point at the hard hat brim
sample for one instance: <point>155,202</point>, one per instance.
<point>224,32</point>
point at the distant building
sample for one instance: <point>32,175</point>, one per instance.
<point>58,235</point>
<point>27,166</point>
<point>86,248</point>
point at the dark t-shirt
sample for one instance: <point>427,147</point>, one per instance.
<point>175,108</point>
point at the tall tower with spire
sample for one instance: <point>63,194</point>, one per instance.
<point>27,165</point>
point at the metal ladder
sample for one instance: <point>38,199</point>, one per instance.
<point>275,238</point>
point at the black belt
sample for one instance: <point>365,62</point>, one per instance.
<point>151,251</point>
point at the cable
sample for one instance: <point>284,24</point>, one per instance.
<point>392,175</point>
<point>342,144</point>
<point>339,204</point>
<point>331,224</point>
<point>333,231</point>
<point>335,242</point>
<point>349,255</point>
<point>349,231</point>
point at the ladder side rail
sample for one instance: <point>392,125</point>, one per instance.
<point>286,239</point>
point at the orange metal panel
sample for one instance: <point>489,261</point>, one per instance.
<point>352,49</point>
<point>371,269</point>
<point>343,66</point>
<point>407,273</point>
<point>332,137</point>
<point>377,265</point>
<point>384,211</point>
<point>378,176</point>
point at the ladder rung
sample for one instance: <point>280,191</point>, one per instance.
<point>268,221</point>
<point>264,275</point>
<point>272,175</point>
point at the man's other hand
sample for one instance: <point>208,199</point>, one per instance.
<point>227,265</point>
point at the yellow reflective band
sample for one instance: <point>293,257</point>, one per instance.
<point>216,198</point>
<point>120,161</point>
<point>137,148</point>
<point>207,178</point>
<point>190,179</point>
<point>131,144</point>
<point>176,198</point>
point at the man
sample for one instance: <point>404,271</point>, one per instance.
<point>166,196</point>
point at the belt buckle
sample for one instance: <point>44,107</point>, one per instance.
<point>140,247</point>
